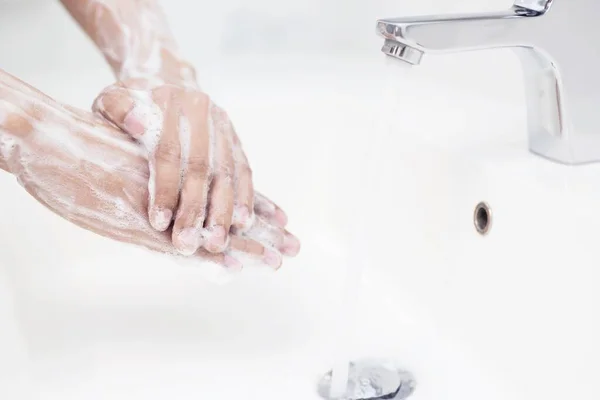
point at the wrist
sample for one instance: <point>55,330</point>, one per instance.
<point>168,69</point>
<point>178,72</point>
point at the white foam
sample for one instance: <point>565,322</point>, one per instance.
<point>152,117</point>
<point>211,135</point>
<point>136,45</point>
<point>184,142</point>
<point>262,232</point>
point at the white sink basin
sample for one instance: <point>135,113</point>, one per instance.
<point>509,315</point>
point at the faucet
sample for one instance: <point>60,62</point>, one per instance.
<point>559,54</point>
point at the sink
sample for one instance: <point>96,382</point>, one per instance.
<point>511,314</point>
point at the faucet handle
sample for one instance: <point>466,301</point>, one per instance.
<point>535,5</point>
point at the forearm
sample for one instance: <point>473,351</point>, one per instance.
<point>75,164</point>
<point>33,126</point>
<point>20,105</point>
<point>134,37</point>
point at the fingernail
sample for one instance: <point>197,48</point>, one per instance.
<point>189,241</point>
<point>291,245</point>
<point>161,219</point>
<point>232,264</point>
<point>272,259</point>
<point>133,122</point>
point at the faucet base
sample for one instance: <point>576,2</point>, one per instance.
<point>566,135</point>
<point>584,151</point>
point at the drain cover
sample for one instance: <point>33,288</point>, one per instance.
<point>371,380</point>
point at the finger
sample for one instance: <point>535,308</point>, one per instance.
<point>274,237</point>
<point>196,145</point>
<point>256,250</point>
<point>220,205</point>
<point>115,105</point>
<point>269,211</point>
<point>165,166</point>
<point>132,111</point>
<point>244,190</point>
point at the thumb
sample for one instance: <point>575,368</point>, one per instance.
<point>118,106</point>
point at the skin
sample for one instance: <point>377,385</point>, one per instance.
<point>92,174</point>
<point>200,179</point>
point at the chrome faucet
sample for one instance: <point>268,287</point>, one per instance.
<point>558,42</point>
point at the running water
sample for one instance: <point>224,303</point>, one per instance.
<point>356,259</point>
<point>340,373</point>
<point>365,379</point>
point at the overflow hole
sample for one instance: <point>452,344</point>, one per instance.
<point>482,218</point>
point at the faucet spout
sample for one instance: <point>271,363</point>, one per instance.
<point>559,59</point>
<point>460,32</point>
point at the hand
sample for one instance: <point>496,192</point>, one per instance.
<point>95,176</point>
<point>199,174</point>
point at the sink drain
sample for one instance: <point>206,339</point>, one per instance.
<point>482,218</point>
<point>371,380</point>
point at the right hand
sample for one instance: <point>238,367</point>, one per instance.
<point>95,176</point>
<point>199,175</point>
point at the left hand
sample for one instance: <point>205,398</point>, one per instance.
<point>95,176</point>
<point>199,174</point>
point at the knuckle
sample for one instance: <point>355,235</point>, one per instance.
<point>200,99</point>
<point>199,103</point>
<point>225,172</point>
<point>168,152</point>
<point>245,171</point>
<point>195,207</point>
<point>165,194</point>
<point>165,94</point>
<point>220,117</point>
<point>198,166</point>
<point>193,212</point>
